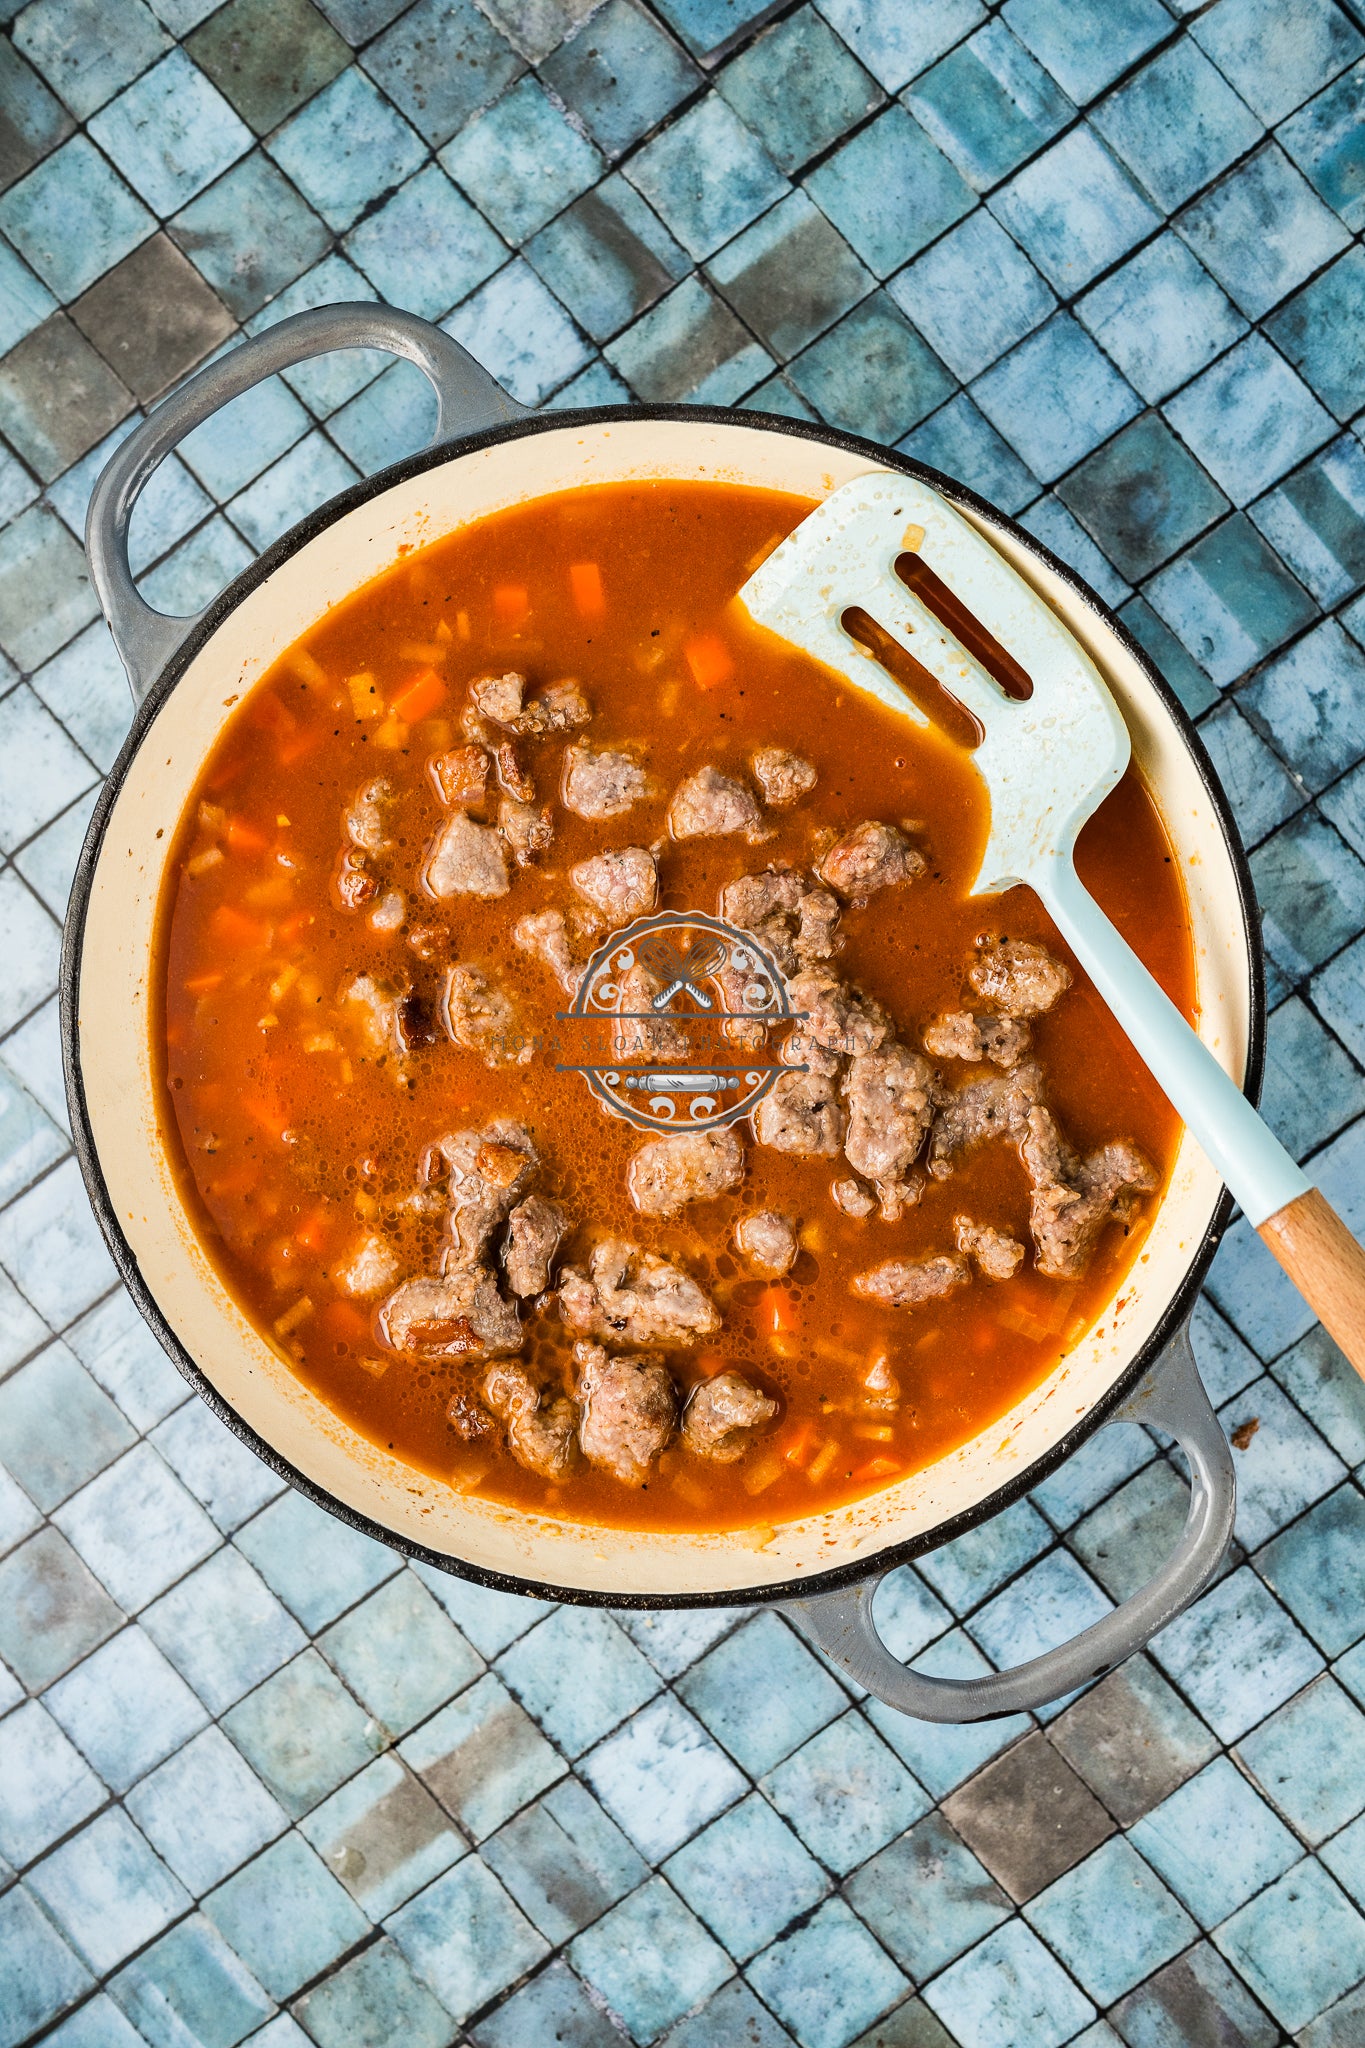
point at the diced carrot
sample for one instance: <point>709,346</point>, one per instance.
<point>268,712</point>
<point>876,1468</point>
<point>297,746</point>
<point>585,581</point>
<point>462,624</point>
<point>244,837</point>
<point>312,1232</point>
<point>511,603</point>
<point>709,659</point>
<point>229,926</point>
<point>203,984</point>
<point>777,1312</point>
<point>293,927</point>
<point>392,734</point>
<point>419,698</point>
<point>267,1116</point>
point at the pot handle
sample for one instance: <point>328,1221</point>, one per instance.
<point>468,398</point>
<point>1171,1396</point>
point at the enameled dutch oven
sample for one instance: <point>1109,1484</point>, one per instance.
<point>489,453</point>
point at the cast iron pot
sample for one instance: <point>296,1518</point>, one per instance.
<point>823,1570</point>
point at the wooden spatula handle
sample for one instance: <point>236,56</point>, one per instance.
<point>1327,1266</point>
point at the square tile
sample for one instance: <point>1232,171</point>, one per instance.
<point>1299,1945</point>
<point>608,258</point>
<point>1339,994</point>
<point>482,1757</point>
<point>45,1786</point>
<point>1028,1817</point>
<point>1285,1467</point>
<point>21,1330</point>
<point>1316,1375</point>
<point>650,1960</point>
<point>553,2007</point>
<point>268,56</point>
<point>1055,397</point>
<point>442,62</point>
<point>661,1777</point>
<point>286,1949</point>
<point>960,443</point>
<point>52,1610</point>
<point>1311,704</point>
<point>897,38</point>
<point>689,347</point>
<point>88,49</point>
<point>707,177</point>
<point>18,1516</point>
<point>828,1979</point>
<point>25,303</point>
<point>384,1836</point>
<point>245,437</point>
<point>988,105</point>
<point>125,1708</point>
<point>73,189</point>
<point>223,1629</point>
<point>1177,124</point>
<point>1308,867</point>
<point>189,1986</point>
<point>521,162</point>
<point>1316,521</point>
<point>1074,210</point>
<point>1008,1992</point>
<point>97,2024</point>
<point>845,1793</point>
<point>1262,231</point>
<point>1229,599</point>
<point>33,942</point>
<point>872,374</point>
<point>621,75</point>
<point>58,397</point>
<point>1126,1540</point>
<point>465,1937</point>
<point>522,334</point>
<point>1142,497</point>
<point>1320,331</point>
<point>226,1478</point>
<point>1053,1600</point>
<point>36,121</point>
<point>106,1891</point>
<point>747,1877</point>
<point>118,1349</point>
<point>489,1619</point>
<point>427,247</point>
<point>47,864</point>
<point>890,191</point>
<point>296,485</point>
<point>302,1733</point>
<point>611,1679</point>
<point>39,1974</point>
<point>1308,1758</point>
<point>171,134</point>
<point>249,234</point>
<point>1305,1115</point>
<point>1199,1997</point>
<point>942,293</point>
<point>330,380</point>
<point>137,1528</point>
<point>1133,1740</point>
<point>926,1898</point>
<point>205,1811</point>
<point>374,1999</point>
<point>1325,141</point>
<point>1086,46</point>
<point>761,1693</point>
<point>1111,1920</point>
<point>379,150</point>
<point>153,318</point>
<point>395,414</point>
<point>790,276</point>
<point>1236,1654</point>
<point>799,89</point>
<point>400,1654</point>
<point>1314,1569</point>
<point>1277,52</point>
<point>57,1428</point>
<point>1215,1842</point>
<point>317,1565</point>
<point>564,1862</point>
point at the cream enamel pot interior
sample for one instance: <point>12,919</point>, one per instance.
<point>185,673</point>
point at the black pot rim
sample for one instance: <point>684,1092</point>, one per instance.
<point>883,1560</point>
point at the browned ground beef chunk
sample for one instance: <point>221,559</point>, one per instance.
<point>461,775</point>
<point>513,774</point>
<point>535,1231</point>
<point>545,936</point>
<point>630,1409</point>
<point>709,804</point>
<point>540,1430</point>
<point>895,1196</point>
<point>467,860</point>
<point>622,883</point>
<point>459,1315</point>
<point>817,922</point>
<point>996,1107</point>
<point>481,1018</point>
<point>800,1114</point>
<point>528,831</point>
<point>768,1241</point>
<point>958,1035</point>
<point>872,856</point>
<point>839,1018</point>
<point>852,1197</point>
<point>793,922</point>
<point>355,885</point>
<point>641,1032</point>
<point>499,697</point>
<point>560,707</point>
<point>634,1297</point>
<point>905,1283</point>
<point>371,1269</point>
<point>375,1004</point>
<point>1020,978</point>
<point>685,1166</point>
<point>486,1172</point>
<point>797,1050</point>
<point>889,1099</point>
<point>1074,1198</point>
<point>363,818</point>
<point>720,1416</point>
<point>782,776</point>
<point>601,785</point>
<point>996,1254</point>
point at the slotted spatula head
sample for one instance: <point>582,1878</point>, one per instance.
<point>1047,761</point>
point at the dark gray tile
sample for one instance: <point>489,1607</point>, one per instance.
<point>268,56</point>
<point>1194,2000</point>
<point>152,317</point>
<point>58,397</point>
<point>1028,1817</point>
<point>52,1609</point>
<point>32,120</point>
<point>1133,1740</point>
